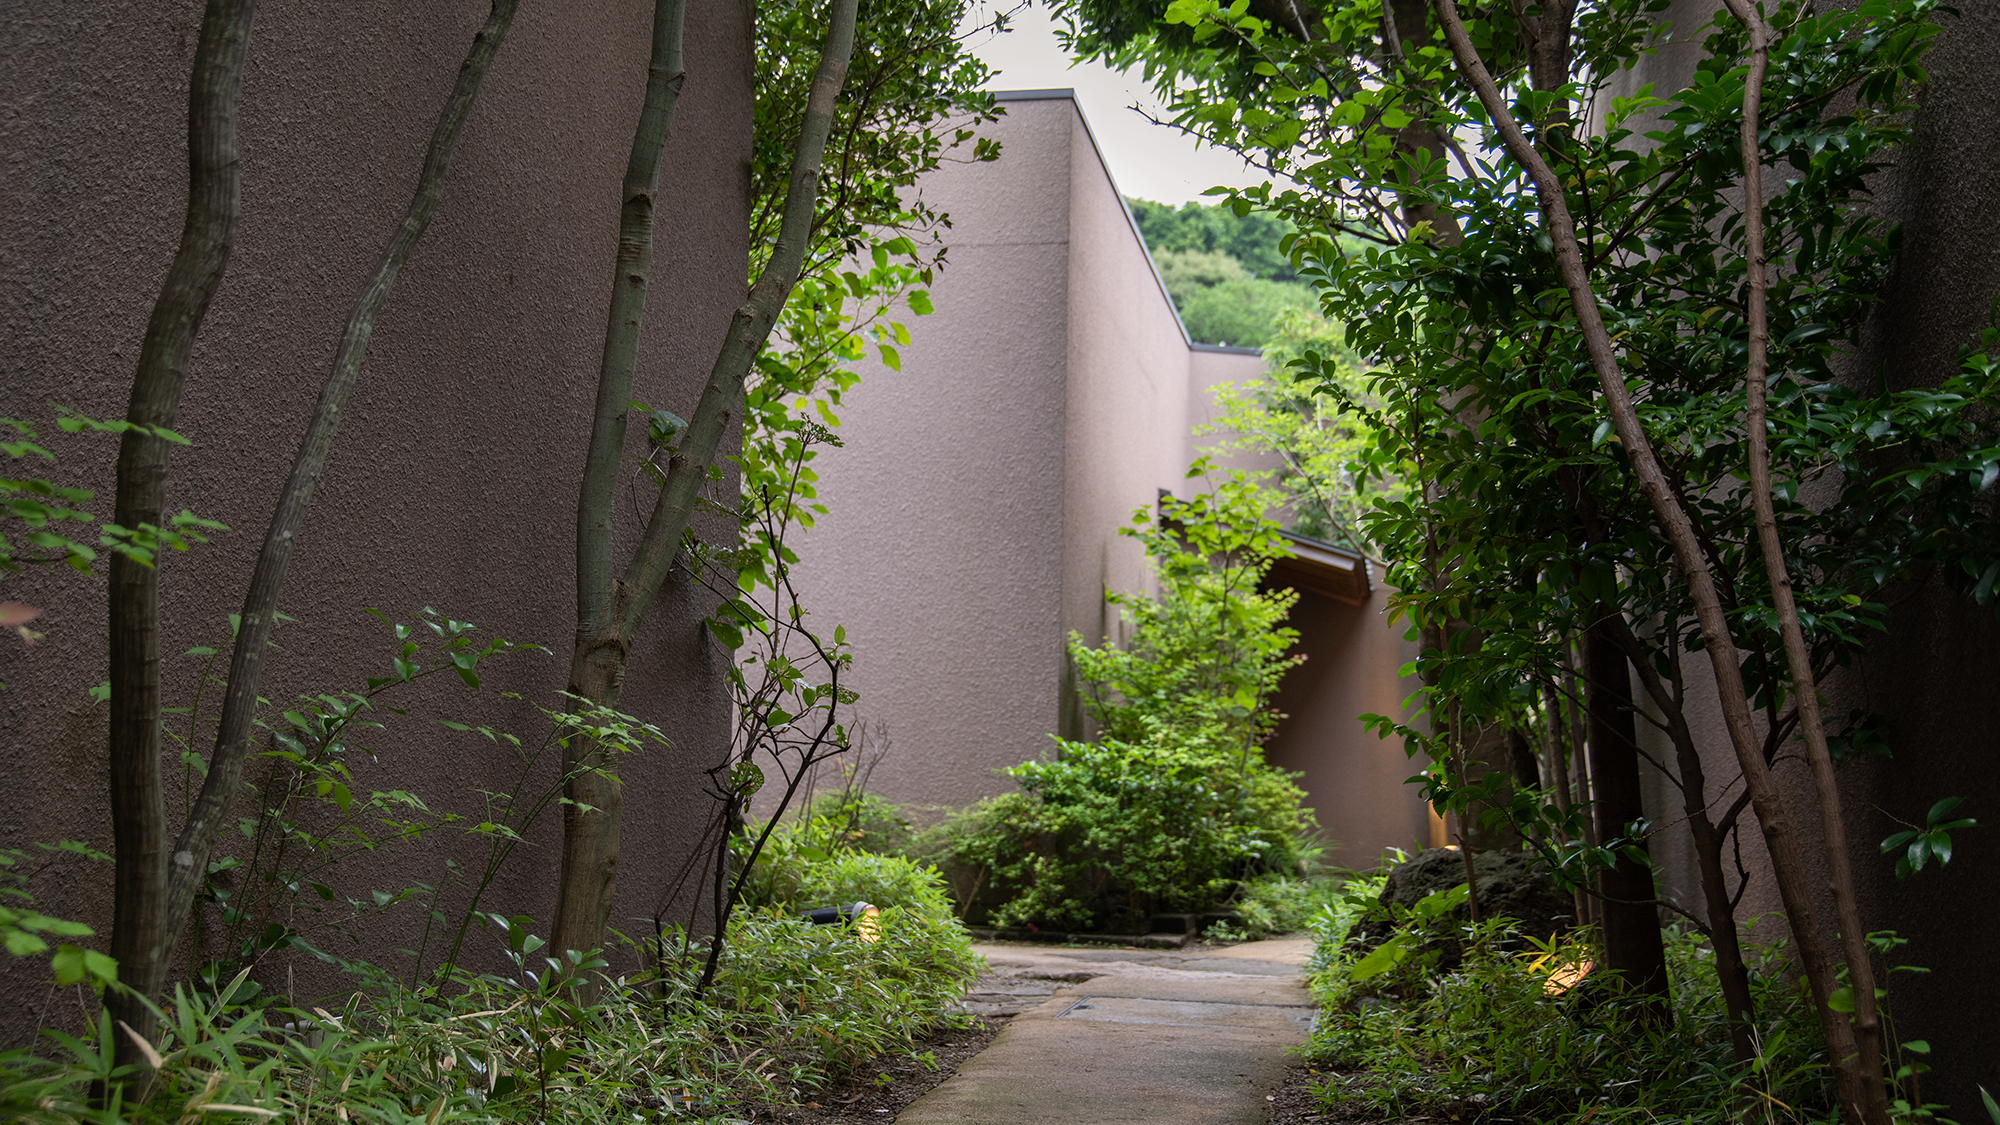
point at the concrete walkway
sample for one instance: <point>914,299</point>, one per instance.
<point>1124,1035</point>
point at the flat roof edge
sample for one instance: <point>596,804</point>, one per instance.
<point>1051,94</point>
<point>1225,349</point>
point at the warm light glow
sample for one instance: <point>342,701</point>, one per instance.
<point>866,921</point>
<point>1566,977</point>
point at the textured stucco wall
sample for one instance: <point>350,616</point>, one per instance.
<point>1127,420</point>
<point>1932,676</point>
<point>1354,780</point>
<point>1209,367</point>
<point>942,549</point>
<point>453,479</point>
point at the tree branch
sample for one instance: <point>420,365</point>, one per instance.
<point>1866,1094</point>
<point>748,330</point>
<point>1779,834</point>
<point>236,734</point>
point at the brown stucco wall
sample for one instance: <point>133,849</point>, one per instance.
<point>1354,780</point>
<point>452,483</point>
<point>942,550</point>
<point>1932,676</point>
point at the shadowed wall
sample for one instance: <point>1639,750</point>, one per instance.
<point>453,479</point>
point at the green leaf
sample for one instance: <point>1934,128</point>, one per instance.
<point>1384,957</point>
<point>74,965</point>
<point>730,636</point>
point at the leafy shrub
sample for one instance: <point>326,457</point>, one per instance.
<point>1280,904</point>
<point>858,819</point>
<point>1110,833</point>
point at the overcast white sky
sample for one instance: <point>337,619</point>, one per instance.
<point>1148,161</point>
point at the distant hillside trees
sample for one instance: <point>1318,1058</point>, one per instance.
<point>1225,272</point>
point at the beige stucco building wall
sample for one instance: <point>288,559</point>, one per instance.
<point>974,510</point>
<point>453,479</point>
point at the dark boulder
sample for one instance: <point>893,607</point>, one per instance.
<point>1514,884</point>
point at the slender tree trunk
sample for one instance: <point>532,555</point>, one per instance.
<point>236,732</point>
<point>138,814</point>
<point>593,800</point>
<point>1579,760</point>
<point>610,611</point>
<point>1863,1102</point>
<point>1861,974</point>
<point>1558,771</point>
<point>1730,971</point>
<point>1629,920</point>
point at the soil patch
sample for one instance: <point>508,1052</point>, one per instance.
<point>1294,1103</point>
<point>878,1090</point>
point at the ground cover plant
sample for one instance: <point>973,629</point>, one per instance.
<point>1511,1032</point>
<point>793,1005</point>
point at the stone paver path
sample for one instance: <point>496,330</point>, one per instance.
<point>1119,1036</point>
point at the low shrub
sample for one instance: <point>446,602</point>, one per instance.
<point>1494,1038</point>
<point>1110,833</point>
<point>792,1005</point>
<point>1172,807</point>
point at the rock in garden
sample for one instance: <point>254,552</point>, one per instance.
<point>1508,883</point>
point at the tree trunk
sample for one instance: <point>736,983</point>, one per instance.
<point>1805,692</point>
<point>611,611</point>
<point>138,816</point>
<point>1730,971</point>
<point>1862,1104</point>
<point>1627,915</point>
<point>592,798</point>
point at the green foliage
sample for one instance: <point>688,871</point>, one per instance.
<point>1253,242</point>
<point>1520,521</point>
<point>1279,903</point>
<point>36,518</point>
<point>277,884</point>
<point>858,820</point>
<point>25,931</point>
<point>1109,834</point>
<point>793,1005</point>
<point>1931,841</point>
<point>1202,659</point>
<point>1241,312</point>
<point>1327,480</point>
<point>1494,1039</point>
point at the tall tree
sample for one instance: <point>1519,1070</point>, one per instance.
<point>1504,336</point>
<point>612,606</point>
<point>140,925</point>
